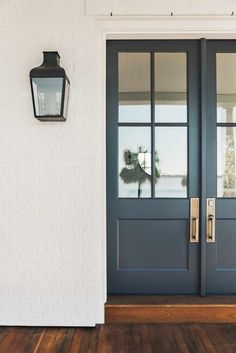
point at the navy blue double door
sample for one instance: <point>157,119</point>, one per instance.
<point>171,167</point>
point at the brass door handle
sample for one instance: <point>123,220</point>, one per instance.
<point>195,230</point>
<point>210,220</point>
<point>194,220</point>
<point>211,225</point>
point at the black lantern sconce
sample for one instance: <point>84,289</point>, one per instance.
<point>50,89</point>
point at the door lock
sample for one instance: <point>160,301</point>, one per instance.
<point>210,238</point>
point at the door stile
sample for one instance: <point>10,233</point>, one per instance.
<point>203,103</point>
<point>152,89</point>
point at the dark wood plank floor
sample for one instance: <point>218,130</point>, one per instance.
<point>158,338</point>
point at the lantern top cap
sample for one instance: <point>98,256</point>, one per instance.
<point>55,52</point>
<point>51,58</point>
<point>50,66</point>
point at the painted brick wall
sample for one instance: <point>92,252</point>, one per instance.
<point>49,175</point>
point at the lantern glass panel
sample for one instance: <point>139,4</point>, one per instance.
<point>67,88</point>
<point>47,95</point>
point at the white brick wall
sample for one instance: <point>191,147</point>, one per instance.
<point>52,182</point>
<point>48,181</point>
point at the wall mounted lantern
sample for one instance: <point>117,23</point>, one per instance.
<point>50,89</point>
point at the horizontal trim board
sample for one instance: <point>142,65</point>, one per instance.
<point>158,8</point>
<point>170,313</point>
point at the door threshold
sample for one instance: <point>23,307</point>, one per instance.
<point>170,309</point>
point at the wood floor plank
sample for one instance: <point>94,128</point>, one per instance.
<point>210,347</point>
<point>6,341</point>
<point>146,344</point>
<point>137,339</point>
<point>190,339</point>
<point>194,341</point>
<point>17,340</point>
<point>102,339</point>
<point>119,338</point>
<point>161,339</point>
<point>76,340</point>
<point>63,341</point>
<point>223,337</point>
<point>25,336</point>
<point>9,342</point>
<point>110,339</point>
<point>179,338</point>
<point>48,340</point>
<point>129,338</point>
<point>85,339</point>
<point>33,343</point>
<point>93,346</point>
<point>3,333</point>
<point>230,336</point>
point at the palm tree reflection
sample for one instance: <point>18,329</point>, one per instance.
<point>138,168</point>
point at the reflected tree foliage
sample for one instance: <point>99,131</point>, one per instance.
<point>184,180</point>
<point>136,172</point>
<point>229,176</point>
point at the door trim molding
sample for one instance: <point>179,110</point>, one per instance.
<point>105,29</point>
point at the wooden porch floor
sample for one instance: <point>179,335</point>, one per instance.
<point>117,338</point>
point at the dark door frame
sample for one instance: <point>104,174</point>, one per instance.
<point>204,193</point>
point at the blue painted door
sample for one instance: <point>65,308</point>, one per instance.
<point>221,165</point>
<point>153,166</point>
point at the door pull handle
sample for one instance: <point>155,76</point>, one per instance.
<point>210,220</point>
<point>195,230</point>
<point>194,220</point>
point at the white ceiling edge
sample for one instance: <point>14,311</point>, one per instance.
<point>110,35</point>
<point>157,8</point>
<point>114,17</point>
<point>111,16</point>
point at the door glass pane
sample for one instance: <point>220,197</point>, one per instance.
<point>226,164</point>
<point>134,162</point>
<point>171,161</point>
<point>134,87</point>
<point>170,87</point>
<point>226,87</point>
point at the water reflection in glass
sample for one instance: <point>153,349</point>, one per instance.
<point>226,164</point>
<point>226,87</point>
<point>226,113</point>
<point>145,161</point>
<point>170,87</point>
<point>134,162</point>
<point>171,150</point>
<point>134,87</point>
